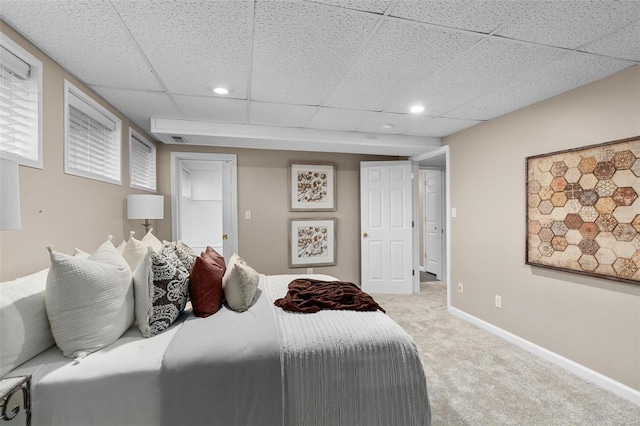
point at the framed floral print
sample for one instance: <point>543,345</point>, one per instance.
<point>312,242</point>
<point>312,187</point>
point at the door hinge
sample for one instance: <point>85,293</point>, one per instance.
<point>412,224</point>
<point>413,272</point>
<point>412,176</point>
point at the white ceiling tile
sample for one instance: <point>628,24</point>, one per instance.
<point>621,44</point>
<point>340,119</point>
<point>476,15</point>
<point>193,45</point>
<point>490,65</point>
<point>280,114</point>
<point>401,123</point>
<point>394,51</point>
<point>210,108</point>
<point>139,106</point>
<point>571,71</point>
<point>375,6</point>
<point>571,24</point>
<point>440,127</point>
<point>85,37</point>
<point>300,51</point>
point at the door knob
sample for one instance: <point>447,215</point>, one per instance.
<point>365,235</point>
<point>224,236</point>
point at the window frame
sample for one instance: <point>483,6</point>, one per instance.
<point>72,90</point>
<point>135,136</point>
<point>36,70</point>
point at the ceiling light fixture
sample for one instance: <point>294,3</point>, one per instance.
<point>387,126</point>
<point>416,109</point>
<point>220,90</point>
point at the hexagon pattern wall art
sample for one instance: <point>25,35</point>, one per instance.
<point>583,210</point>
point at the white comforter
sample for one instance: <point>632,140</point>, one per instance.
<point>336,368</point>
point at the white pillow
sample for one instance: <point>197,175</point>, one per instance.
<point>240,282</point>
<point>152,241</point>
<point>123,243</point>
<point>24,328</point>
<point>134,251</point>
<point>89,301</point>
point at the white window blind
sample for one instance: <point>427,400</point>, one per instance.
<point>142,159</point>
<point>93,142</point>
<point>20,83</point>
<point>186,184</point>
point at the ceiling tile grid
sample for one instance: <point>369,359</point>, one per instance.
<point>441,126</point>
<point>490,65</point>
<point>394,51</point>
<point>85,37</point>
<point>193,45</point>
<point>621,44</point>
<point>401,123</point>
<point>569,72</point>
<point>482,16</point>
<point>571,24</point>
<point>373,6</point>
<point>299,54</point>
<point>139,106</point>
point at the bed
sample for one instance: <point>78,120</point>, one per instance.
<point>264,366</point>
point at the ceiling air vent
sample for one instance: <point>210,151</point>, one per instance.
<point>178,139</point>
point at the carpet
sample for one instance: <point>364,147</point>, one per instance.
<point>477,378</point>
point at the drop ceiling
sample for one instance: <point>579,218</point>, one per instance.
<point>328,75</point>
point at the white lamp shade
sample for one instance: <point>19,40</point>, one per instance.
<point>140,206</point>
<point>9,195</point>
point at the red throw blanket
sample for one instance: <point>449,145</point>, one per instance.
<point>309,296</point>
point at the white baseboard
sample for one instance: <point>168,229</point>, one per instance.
<point>599,379</point>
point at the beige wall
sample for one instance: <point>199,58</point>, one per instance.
<point>594,322</point>
<point>262,189</point>
<point>59,209</point>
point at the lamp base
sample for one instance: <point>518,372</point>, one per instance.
<point>146,225</point>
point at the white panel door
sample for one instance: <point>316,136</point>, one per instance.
<point>433,225</point>
<point>229,216</point>
<point>386,226</point>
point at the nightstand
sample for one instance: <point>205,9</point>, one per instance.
<point>8,387</point>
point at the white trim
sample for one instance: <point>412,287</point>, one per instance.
<point>36,72</point>
<point>580,370</point>
<point>176,159</point>
<point>72,92</point>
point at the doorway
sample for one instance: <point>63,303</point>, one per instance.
<point>204,201</point>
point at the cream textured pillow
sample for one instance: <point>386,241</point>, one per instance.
<point>134,251</point>
<point>89,302</point>
<point>152,241</point>
<point>240,282</point>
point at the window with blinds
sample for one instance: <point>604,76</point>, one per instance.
<point>142,160</point>
<point>93,138</point>
<point>20,104</point>
<point>186,184</point>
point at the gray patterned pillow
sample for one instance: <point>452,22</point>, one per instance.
<point>170,289</point>
<point>186,254</point>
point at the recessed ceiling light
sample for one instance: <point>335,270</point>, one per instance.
<point>220,90</point>
<point>416,109</point>
<point>387,126</point>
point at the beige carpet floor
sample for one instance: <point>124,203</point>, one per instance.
<point>477,378</point>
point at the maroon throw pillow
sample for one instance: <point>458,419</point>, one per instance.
<point>212,254</point>
<point>205,286</point>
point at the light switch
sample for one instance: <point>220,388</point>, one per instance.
<point>454,212</point>
<point>247,214</point>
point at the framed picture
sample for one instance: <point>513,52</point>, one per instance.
<point>312,242</point>
<point>312,187</point>
<point>583,210</point>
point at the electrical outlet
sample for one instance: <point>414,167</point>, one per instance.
<point>460,288</point>
<point>309,270</point>
<point>498,301</point>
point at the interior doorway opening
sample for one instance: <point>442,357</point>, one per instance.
<point>204,201</point>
